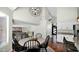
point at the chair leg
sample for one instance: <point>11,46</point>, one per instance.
<point>46,49</point>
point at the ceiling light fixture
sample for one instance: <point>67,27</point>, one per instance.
<point>35,11</point>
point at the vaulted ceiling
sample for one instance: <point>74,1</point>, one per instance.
<point>22,14</point>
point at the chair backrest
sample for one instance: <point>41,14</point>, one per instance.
<point>31,44</point>
<point>15,41</point>
<point>69,46</point>
<point>47,41</point>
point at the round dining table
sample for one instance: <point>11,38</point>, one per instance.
<point>22,41</point>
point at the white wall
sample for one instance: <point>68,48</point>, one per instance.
<point>52,10</point>
<point>51,14</point>
<point>77,11</point>
<point>66,17</point>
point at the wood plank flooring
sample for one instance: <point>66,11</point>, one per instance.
<point>57,47</point>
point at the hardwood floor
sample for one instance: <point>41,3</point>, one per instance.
<point>57,47</point>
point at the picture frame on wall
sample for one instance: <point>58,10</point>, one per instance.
<point>54,30</point>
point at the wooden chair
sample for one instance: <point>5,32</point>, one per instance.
<point>45,44</point>
<point>17,47</point>
<point>32,46</point>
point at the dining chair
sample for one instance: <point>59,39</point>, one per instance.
<point>69,46</point>
<point>17,47</point>
<point>32,45</point>
<point>45,44</point>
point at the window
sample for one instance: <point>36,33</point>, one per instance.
<point>4,29</point>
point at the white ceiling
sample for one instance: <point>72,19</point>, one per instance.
<point>12,8</point>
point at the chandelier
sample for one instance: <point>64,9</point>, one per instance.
<point>35,11</point>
